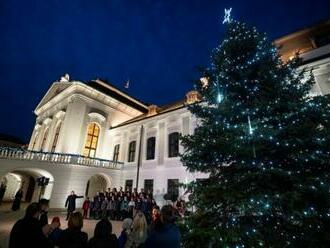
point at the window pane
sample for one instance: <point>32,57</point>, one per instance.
<point>96,130</point>
<point>90,128</point>
<point>148,185</point>
<point>151,148</point>
<point>173,144</point>
<point>173,188</point>
<point>129,185</point>
<point>86,151</point>
<point>91,140</point>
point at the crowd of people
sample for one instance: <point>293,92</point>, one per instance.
<point>144,224</point>
<point>118,205</point>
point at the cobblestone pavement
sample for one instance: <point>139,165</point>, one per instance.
<point>8,219</point>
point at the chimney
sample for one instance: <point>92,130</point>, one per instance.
<point>192,97</point>
<point>152,110</point>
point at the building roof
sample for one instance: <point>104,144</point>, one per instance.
<point>160,110</point>
<point>110,90</point>
<point>305,40</point>
<point>10,140</point>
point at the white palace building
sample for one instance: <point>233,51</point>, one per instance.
<point>90,136</point>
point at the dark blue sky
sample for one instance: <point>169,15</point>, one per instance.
<point>156,44</point>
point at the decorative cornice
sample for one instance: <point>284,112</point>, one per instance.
<point>97,117</point>
<point>60,114</point>
<point>47,121</point>
<point>37,126</point>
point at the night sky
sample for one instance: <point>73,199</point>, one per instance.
<point>158,45</point>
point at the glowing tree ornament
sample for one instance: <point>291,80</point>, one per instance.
<point>227,18</point>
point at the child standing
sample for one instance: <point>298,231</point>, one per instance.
<point>85,207</point>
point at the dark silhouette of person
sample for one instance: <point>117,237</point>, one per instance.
<point>27,232</point>
<point>103,236</point>
<point>73,237</point>
<point>2,191</point>
<point>17,201</point>
<point>70,203</point>
<point>44,205</point>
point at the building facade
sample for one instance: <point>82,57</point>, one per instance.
<point>90,136</point>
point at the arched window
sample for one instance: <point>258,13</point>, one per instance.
<point>43,144</point>
<point>173,144</point>
<point>116,153</point>
<point>151,143</point>
<point>131,151</point>
<point>93,132</point>
<point>34,141</point>
<point>57,132</point>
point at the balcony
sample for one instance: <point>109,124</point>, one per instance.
<point>57,158</point>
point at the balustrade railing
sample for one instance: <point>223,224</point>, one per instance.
<point>61,158</point>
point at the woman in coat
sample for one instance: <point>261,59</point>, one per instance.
<point>73,237</point>
<point>103,236</point>
<point>138,236</point>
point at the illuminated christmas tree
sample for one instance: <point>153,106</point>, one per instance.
<point>264,141</point>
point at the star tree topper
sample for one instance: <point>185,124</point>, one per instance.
<point>227,18</point>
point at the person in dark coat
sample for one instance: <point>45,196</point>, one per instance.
<point>167,234</point>
<point>103,236</point>
<point>44,205</point>
<point>73,237</point>
<point>2,190</point>
<point>17,201</point>
<point>125,232</point>
<point>27,232</point>
<point>55,235</point>
<point>71,203</point>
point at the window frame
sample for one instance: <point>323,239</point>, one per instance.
<point>57,133</point>
<point>131,151</point>
<point>116,150</point>
<point>173,144</point>
<point>151,148</point>
<point>44,140</point>
<point>89,148</point>
<point>173,189</point>
<point>35,141</point>
<point>126,185</point>
<point>145,185</point>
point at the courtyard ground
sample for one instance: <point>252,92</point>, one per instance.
<point>8,219</point>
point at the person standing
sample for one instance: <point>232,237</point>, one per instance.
<point>138,235</point>
<point>44,205</point>
<point>2,190</point>
<point>27,232</point>
<point>85,207</point>
<point>17,201</point>
<point>73,236</point>
<point>103,236</point>
<point>70,203</point>
<point>125,232</point>
<point>165,234</point>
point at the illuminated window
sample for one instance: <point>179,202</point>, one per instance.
<point>173,145</point>
<point>93,132</point>
<point>151,142</point>
<point>35,141</point>
<point>57,132</point>
<point>43,144</point>
<point>116,153</point>
<point>131,151</point>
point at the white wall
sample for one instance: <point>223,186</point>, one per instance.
<point>66,177</point>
